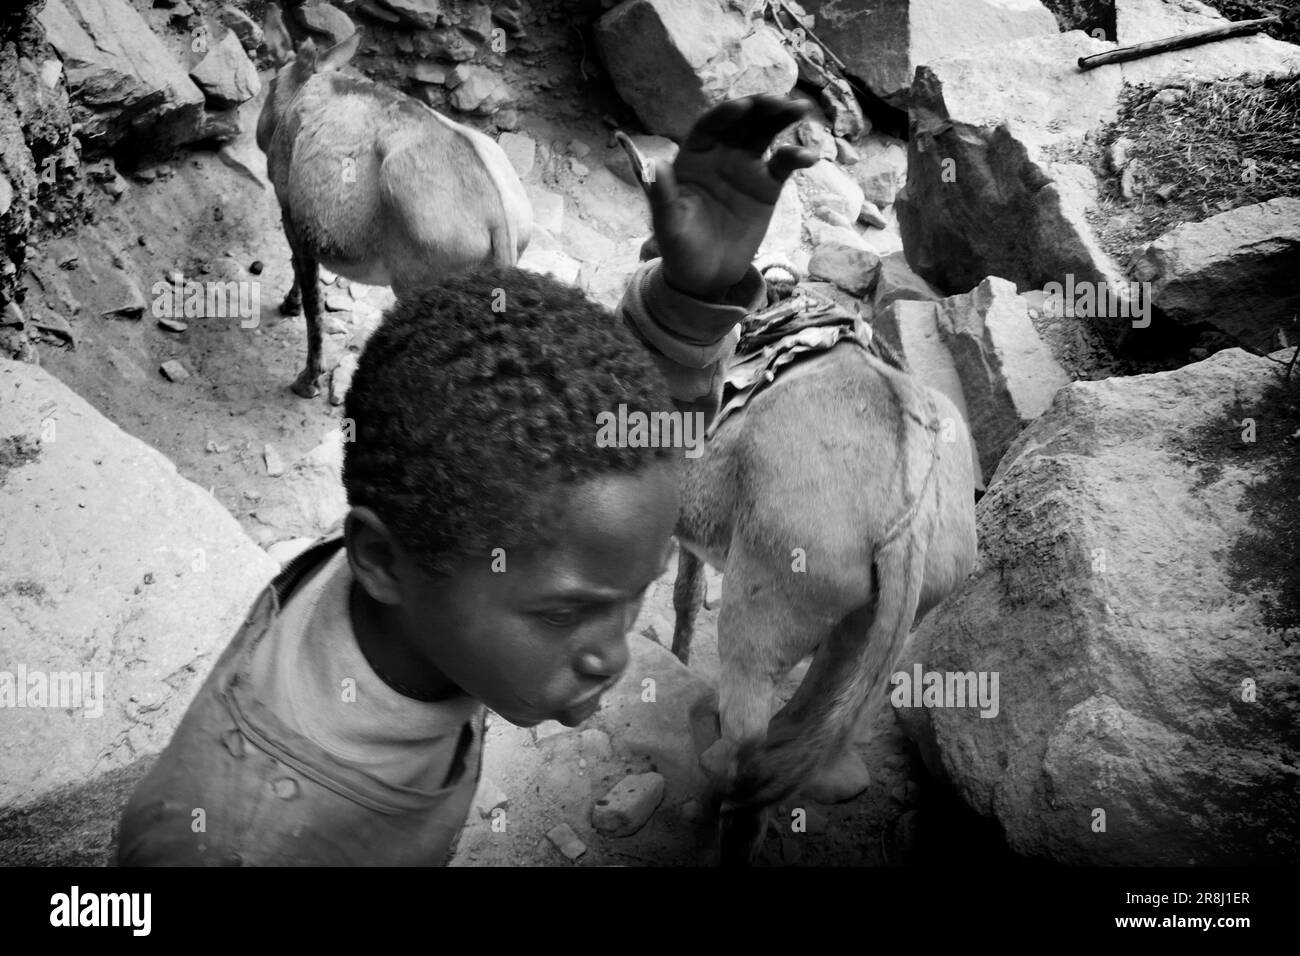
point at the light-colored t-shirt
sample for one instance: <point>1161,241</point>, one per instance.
<point>316,680</point>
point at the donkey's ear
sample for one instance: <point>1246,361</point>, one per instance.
<point>305,64</point>
<point>339,54</point>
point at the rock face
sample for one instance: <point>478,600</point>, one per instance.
<point>982,198</point>
<point>981,349</point>
<point>225,74</point>
<point>1237,270</point>
<point>121,77</point>
<point>248,31</point>
<point>324,22</point>
<point>671,60</point>
<point>1007,373</point>
<point>476,89</point>
<point>883,41</point>
<point>898,281</point>
<point>853,268</point>
<point>91,589</point>
<point>1145,715</point>
<point>417,13</point>
<point>826,184</point>
<point>881,170</point>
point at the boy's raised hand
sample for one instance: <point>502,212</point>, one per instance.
<point>711,207</point>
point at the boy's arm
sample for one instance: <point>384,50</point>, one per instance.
<point>688,338</point>
<point>711,208</point>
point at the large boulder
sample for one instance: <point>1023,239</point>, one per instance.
<point>121,582</point>
<point>122,79</point>
<point>325,23</point>
<point>981,197</point>
<point>826,184</point>
<point>1007,374</point>
<point>671,60</point>
<point>1136,581</point>
<point>881,170</point>
<point>225,74</point>
<point>983,194</point>
<point>423,14</point>
<point>785,231</point>
<point>1237,270</point>
<point>852,267</point>
<point>883,41</point>
<point>476,89</point>
<point>898,281</point>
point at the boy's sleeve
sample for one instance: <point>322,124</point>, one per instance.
<point>690,340</point>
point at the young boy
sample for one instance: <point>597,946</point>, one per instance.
<point>343,725</point>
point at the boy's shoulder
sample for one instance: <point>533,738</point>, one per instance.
<point>240,785</point>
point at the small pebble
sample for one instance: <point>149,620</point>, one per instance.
<point>627,807</point>
<point>174,371</point>
<point>341,378</point>
<point>274,463</point>
<point>489,797</point>
<point>566,841</point>
<point>871,215</point>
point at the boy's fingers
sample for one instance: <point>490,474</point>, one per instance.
<point>711,128</point>
<point>789,158</point>
<point>766,117</point>
<point>749,123</point>
<point>662,190</point>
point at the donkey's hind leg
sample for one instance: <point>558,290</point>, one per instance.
<point>688,595</point>
<point>763,631</point>
<point>306,271</point>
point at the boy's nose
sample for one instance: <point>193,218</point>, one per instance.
<point>608,659</point>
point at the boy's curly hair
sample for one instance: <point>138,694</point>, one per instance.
<point>475,397</point>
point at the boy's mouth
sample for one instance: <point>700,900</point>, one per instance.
<point>584,707</point>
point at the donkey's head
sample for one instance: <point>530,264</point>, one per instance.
<point>290,79</point>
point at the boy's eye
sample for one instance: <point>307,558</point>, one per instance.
<point>560,617</point>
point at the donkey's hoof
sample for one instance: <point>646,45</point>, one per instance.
<point>304,386</point>
<point>291,307</point>
<point>842,779</point>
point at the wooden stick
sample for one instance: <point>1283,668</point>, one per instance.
<point>1152,47</point>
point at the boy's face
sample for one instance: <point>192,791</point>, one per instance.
<point>545,637</point>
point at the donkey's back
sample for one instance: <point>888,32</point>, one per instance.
<point>410,195</point>
<point>379,187</point>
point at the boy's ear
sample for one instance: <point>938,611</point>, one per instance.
<point>374,554</point>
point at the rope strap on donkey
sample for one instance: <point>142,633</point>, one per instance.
<point>801,326</point>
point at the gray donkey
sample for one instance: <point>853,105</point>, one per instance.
<point>839,503</point>
<point>378,187</point>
